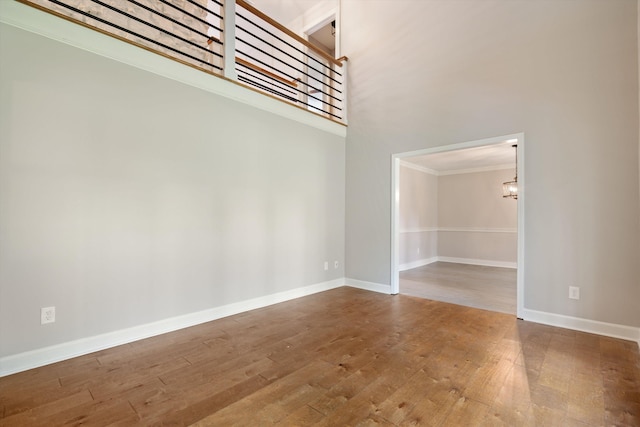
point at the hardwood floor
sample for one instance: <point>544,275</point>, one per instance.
<point>338,358</point>
<point>489,288</point>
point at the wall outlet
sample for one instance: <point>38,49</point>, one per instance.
<point>418,251</point>
<point>326,265</point>
<point>335,264</point>
<point>47,315</point>
<point>574,292</point>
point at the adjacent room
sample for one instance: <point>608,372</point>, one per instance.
<point>458,229</point>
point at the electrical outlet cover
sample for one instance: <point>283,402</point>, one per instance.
<point>574,292</point>
<point>47,315</point>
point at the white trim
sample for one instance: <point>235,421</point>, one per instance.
<point>322,20</point>
<point>515,138</point>
<point>420,230</point>
<point>585,325</point>
<point>345,92</point>
<point>521,218</point>
<point>44,356</point>
<point>395,206</point>
<point>477,170</point>
<point>459,230</point>
<point>395,224</point>
<point>47,355</point>
<point>434,172</point>
<point>477,230</point>
<point>229,39</point>
<point>418,168</point>
<point>368,286</point>
<point>484,262</point>
<point>418,263</point>
<point>36,21</point>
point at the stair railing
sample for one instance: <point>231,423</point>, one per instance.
<point>227,38</point>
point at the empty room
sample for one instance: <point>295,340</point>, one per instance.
<point>200,212</point>
<point>457,226</point>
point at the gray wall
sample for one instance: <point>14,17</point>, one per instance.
<point>418,215</point>
<point>128,198</point>
<point>430,73</point>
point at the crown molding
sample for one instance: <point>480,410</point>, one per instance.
<point>419,168</point>
<point>477,170</point>
<point>409,165</point>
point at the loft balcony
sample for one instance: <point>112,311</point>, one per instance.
<point>229,39</point>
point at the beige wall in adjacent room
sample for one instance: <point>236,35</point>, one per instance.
<point>418,215</point>
<point>461,216</point>
<point>479,223</point>
<point>474,200</point>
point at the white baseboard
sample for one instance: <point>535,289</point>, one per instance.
<point>613,330</point>
<point>369,286</point>
<point>416,264</point>
<point>44,356</point>
<point>485,262</point>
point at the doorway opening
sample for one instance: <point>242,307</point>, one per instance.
<point>451,225</point>
<point>324,35</point>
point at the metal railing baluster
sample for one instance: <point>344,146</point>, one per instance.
<point>205,34</point>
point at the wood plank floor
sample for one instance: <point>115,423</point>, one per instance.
<point>489,288</point>
<point>338,358</point>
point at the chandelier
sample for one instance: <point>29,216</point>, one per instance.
<point>510,188</point>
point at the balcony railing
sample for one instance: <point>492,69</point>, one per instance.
<point>227,38</point>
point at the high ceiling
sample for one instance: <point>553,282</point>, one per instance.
<point>284,11</point>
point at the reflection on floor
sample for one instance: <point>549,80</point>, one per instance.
<point>489,288</point>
